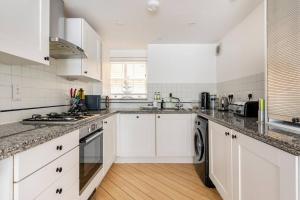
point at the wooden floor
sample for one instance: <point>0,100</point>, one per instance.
<point>153,181</point>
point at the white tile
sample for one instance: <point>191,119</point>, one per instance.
<point>16,70</point>
<point>5,79</point>
<point>5,69</point>
<point>5,103</point>
<point>6,92</point>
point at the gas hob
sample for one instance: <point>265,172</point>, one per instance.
<point>57,118</point>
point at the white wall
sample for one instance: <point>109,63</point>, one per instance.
<point>242,49</point>
<point>181,63</point>
<point>40,86</point>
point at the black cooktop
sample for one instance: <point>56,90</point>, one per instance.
<point>57,117</point>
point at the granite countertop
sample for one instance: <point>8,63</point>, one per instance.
<point>18,137</point>
<point>284,140</point>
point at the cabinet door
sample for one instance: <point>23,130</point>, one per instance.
<point>110,130</point>
<point>220,168</point>
<point>24,31</point>
<point>136,136</point>
<point>174,135</point>
<point>262,172</point>
<point>91,46</point>
<point>6,179</point>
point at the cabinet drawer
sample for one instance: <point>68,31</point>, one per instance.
<point>35,184</point>
<point>27,162</point>
<point>65,188</point>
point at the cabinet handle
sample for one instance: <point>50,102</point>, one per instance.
<point>46,58</point>
<point>105,122</point>
<point>137,117</point>
<point>59,169</point>
<point>59,147</point>
<point>234,136</point>
<point>227,133</point>
<point>58,190</point>
<point>158,116</point>
<point>85,72</point>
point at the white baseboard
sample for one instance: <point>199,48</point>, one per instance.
<point>155,160</point>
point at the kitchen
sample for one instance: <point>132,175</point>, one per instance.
<point>153,99</point>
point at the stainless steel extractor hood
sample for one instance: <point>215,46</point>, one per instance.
<point>59,47</point>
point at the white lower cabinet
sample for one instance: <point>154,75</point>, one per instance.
<point>36,155</point>
<point>243,168</point>
<point>262,172</point>
<point>161,138</point>
<point>48,171</point>
<point>32,186</point>
<point>64,188</point>
<point>220,166</point>
<point>109,141</point>
<point>136,137</point>
<point>174,135</point>
<point>6,179</point>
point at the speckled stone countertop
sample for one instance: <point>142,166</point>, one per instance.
<point>18,137</point>
<point>284,140</point>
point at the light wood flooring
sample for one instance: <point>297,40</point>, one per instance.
<point>153,181</point>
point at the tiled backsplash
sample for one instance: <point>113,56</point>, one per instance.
<point>39,86</point>
<point>187,92</point>
<point>240,88</point>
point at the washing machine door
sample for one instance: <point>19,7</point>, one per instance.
<point>199,146</point>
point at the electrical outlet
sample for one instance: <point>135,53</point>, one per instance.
<point>16,92</point>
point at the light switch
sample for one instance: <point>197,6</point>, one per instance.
<point>16,92</point>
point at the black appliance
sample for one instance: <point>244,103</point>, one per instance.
<point>201,144</point>
<point>205,101</point>
<point>91,152</point>
<point>96,102</point>
<point>93,102</point>
<point>246,109</point>
<point>57,118</point>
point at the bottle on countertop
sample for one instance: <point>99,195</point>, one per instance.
<point>261,110</point>
<point>81,94</point>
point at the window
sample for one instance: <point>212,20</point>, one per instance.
<point>128,80</point>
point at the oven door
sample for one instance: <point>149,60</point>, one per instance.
<point>91,157</point>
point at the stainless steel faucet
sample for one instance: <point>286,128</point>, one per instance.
<point>178,105</point>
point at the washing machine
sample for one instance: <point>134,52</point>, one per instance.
<point>201,159</point>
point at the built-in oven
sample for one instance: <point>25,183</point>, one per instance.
<point>91,152</point>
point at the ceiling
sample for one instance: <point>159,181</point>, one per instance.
<point>126,24</point>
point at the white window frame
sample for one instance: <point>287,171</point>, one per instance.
<point>123,96</point>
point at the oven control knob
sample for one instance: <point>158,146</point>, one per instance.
<point>90,130</point>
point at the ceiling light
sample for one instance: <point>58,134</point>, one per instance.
<point>153,5</point>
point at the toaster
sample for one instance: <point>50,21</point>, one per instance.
<point>246,109</point>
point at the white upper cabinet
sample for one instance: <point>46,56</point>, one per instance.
<point>79,32</point>
<point>136,137</point>
<point>174,135</point>
<point>220,168</point>
<point>24,32</point>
